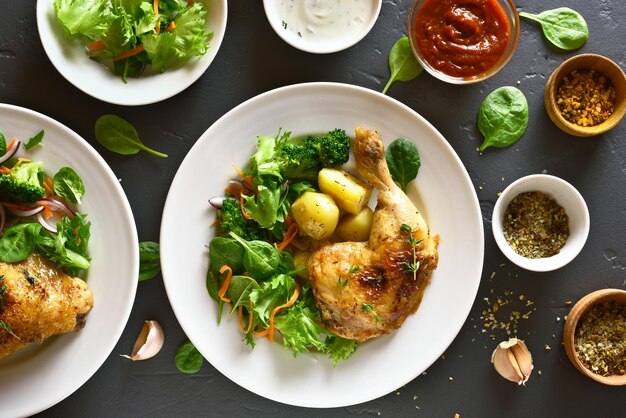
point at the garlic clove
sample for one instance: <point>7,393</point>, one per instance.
<point>149,342</point>
<point>513,361</point>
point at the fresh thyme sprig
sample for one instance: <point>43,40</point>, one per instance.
<point>415,265</point>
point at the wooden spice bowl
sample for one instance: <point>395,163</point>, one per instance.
<point>601,65</point>
<point>581,307</point>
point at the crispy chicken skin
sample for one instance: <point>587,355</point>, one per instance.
<point>378,297</point>
<point>39,301</point>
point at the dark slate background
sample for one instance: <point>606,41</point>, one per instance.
<point>252,60</point>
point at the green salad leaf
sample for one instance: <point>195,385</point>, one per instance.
<point>402,63</point>
<point>403,160</point>
<point>90,18</point>
<point>69,185</point>
<point>18,242</point>
<point>260,258</point>
<point>68,247</point>
<point>3,145</point>
<point>188,359</point>
<point>503,117</point>
<point>563,27</point>
<point>149,260</point>
<point>34,141</point>
<point>118,135</point>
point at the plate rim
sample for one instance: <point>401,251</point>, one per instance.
<point>350,89</point>
<point>40,402</point>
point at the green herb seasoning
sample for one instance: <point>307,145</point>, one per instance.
<point>600,339</point>
<point>535,226</point>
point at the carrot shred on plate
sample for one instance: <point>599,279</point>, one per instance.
<point>229,274</point>
<point>243,210</point>
<point>4,170</point>
<point>130,53</point>
<point>10,144</point>
<point>47,212</point>
<point>48,184</point>
<point>245,330</point>
<point>292,231</point>
<point>155,6</point>
<point>263,333</point>
<point>291,301</point>
<point>96,46</point>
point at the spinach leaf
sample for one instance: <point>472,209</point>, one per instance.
<point>69,185</point>
<point>563,27</point>
<point>260,258</point>
<point>402,63</point>
<point>149,260</point>
<point>213,287</point>
<point>18,242</point>
<point>403,160</point>
<point>188,359</point>
<point>118,135</point>
<point>68,247</point>
<point>225,251</point>
<point>130,67</point>
<point>34,141</point>
<point>3,144</point>
<point>503,117</point>
<point>239,291</point>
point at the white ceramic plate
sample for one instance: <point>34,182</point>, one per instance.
<point>443,192</point>
<point>304,24</point>
<point>42,375</point>
<point>93,78</point>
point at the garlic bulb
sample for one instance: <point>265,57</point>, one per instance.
<point>513,360</point>
<point>149,342</point>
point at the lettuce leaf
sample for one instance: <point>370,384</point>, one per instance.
<point>299,329</point>
<point>68,247</point>
<point>272,293</point>
<point>190,38</point>
<point>89,18</point>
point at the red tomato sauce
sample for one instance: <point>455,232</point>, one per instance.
<point>461,38</point>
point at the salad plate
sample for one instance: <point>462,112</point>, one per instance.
<point>90,76</point>
<point>442,191</point>
<point>40,376</point>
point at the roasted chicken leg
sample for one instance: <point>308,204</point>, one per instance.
<point>37,301</point>
<point>367,289</point>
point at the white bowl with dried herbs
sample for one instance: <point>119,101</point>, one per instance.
<point>540,222</point>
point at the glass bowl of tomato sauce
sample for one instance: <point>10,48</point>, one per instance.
<point>463,41</point>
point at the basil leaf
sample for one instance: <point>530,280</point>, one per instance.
<point>149,260</point>
<point>18,242</point>
<point>402,63</point>
<point>118,135</point>
<point>34,141</point>
<point>563,27</point>
<point>188,359</point>
<point>3,145</point>
<point>69,185</point>
<point>403,160</point>
<point>503,117</point>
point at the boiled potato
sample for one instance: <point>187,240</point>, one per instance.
<point>300,259</point>
<point>349,193</point>
<point>355,227</point>
<point>316,214</point>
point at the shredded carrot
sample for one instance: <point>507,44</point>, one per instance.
<point>171,26</point>
<point>289,220</point>
<point>263,333</point>
<point>10,144</point>
<point>130,53</point>
<point>247,180</point>
<point>4,170</point>
<point>235,191</point>
<point>19,161</point>
<point>289,235</point>
<point>215,223</point>
<point>245,331</point>
<point>47,212</point>
<point>155,6</point>
<point>291,301</point>
<point>96,46</point>
<point>243,211</point>
<point>224,288</point>
<point>48,184</point>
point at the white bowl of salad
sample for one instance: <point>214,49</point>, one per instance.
<point>134,53</point>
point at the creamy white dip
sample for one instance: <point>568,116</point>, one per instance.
<point>325,20</point>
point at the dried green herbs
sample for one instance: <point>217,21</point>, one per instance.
<point>600,339</point>
<point>535,225</point>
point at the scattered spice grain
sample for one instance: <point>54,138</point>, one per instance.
<point>600,339</point>
<point>535,225</point>
<point>586,97</point>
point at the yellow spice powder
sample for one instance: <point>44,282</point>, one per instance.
<point>586,97</point>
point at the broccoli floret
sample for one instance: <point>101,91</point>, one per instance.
<point>305,160</point>
<point>231,219</point>
<point>334,148</point>
<point>23,184</point>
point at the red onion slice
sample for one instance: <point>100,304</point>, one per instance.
<point>26,213</point>
<point>57,206</point>
<point>10,153</point>
<point>46,224</point>
<point>2,219</point>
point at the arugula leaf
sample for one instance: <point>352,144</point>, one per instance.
<point>19,241</point>
<point>188,359</point>
<point>69,185</point>
<point>149,260</point>
<point>90,18</point>
<point>403,160</point>
<point>402,63</point>
<point>34,141</point>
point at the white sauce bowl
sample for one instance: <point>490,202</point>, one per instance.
<point>566,196</point>
<point>322,26</point>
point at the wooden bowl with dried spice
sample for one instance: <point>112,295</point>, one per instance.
<point>595,336</point>
<point>586,95</point>
<point>540,222</point>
